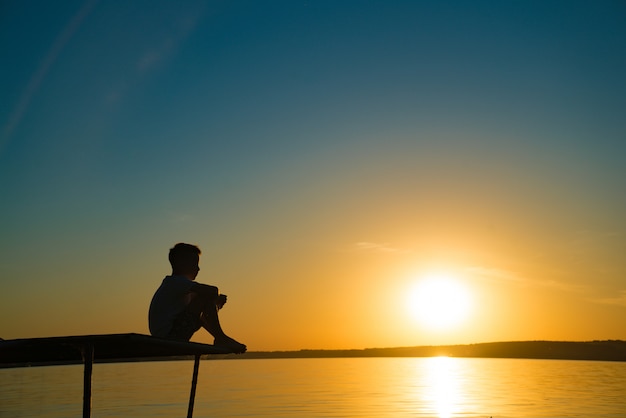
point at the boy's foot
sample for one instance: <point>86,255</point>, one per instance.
<point>229,344</point>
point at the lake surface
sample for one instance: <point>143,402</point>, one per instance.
<point>348,387</point>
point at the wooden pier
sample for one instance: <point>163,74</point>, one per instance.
<point>89,349</point>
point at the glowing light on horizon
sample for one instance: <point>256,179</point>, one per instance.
<point>439,302</point>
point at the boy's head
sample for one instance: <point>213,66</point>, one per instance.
<point>184,259</point>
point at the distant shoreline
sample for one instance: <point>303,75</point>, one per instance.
<point>607,350</point>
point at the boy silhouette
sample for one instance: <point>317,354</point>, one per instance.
<point>181,306</point>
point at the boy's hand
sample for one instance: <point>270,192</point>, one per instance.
<point>221,300</point>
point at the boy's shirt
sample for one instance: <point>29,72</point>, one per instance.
<point>170,299</point>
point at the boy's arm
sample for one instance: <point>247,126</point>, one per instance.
<point>205,290</point>
<point>209,292</point>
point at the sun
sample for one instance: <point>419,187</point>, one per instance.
<point>439,302</point>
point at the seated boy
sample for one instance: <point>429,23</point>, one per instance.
<point>182,306</point>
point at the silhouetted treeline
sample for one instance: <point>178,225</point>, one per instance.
<point>610,350</point>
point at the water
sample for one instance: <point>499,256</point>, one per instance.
<point>351,387</point>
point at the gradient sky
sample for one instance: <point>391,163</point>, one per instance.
<point>326,156</point>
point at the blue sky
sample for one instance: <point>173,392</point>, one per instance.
<point>279,135</point>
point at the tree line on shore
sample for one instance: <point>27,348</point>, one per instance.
<point>607,350</point>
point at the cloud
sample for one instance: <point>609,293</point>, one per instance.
<point>567,287</point>
<point>181,217</point>
<point>38,77</point>
<point>379,247</point>
<point>159,52</point>
<point>619,299</point>
<point>501,275</point>
<point>495,274</point>
<point>152,57</point>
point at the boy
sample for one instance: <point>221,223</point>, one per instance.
<point>182,306</point>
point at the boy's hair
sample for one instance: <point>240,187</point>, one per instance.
<point>182,255</point>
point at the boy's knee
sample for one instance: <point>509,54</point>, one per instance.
<point>199,302</point>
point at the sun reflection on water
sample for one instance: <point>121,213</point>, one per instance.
<point>443,389</point>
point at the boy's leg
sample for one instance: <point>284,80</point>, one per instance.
<point>185,325</point>
<point>209,318</point>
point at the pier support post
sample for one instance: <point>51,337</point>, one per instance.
<point>194,383</point>
<point>87,351</point>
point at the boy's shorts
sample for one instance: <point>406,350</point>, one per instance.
<point>185,325</point>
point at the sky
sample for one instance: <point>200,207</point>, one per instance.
<point>328,157</point>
